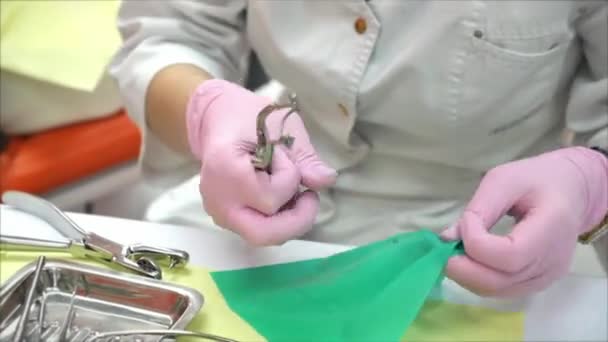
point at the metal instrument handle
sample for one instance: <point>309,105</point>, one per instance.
<point>45,210</point>
<point>17,243</point>
<point>20,333</point>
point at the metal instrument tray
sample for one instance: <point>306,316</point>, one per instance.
<point>104,301</point>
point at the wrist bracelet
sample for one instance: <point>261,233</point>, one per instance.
<point>602,228</point>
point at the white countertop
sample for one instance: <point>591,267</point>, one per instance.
<point>574,309</point>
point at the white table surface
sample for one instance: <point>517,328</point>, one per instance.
<point>574,309</point>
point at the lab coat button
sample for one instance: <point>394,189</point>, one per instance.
<point>478,33</point>
<point>360,25</point>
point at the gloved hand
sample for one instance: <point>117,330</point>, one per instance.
<point>553,197</point>
<point>263,208</point>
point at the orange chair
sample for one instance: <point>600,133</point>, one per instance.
<point>52,162</point>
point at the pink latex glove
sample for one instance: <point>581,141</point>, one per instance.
<point>554,198</point>
<point>221,124</point>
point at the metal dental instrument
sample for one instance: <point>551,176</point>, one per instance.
<point>18,337</point>
<point>40,321</point>
<point>262,159</point>
<point>141,259</point>
<point>163,333</point>
<point>69,317</point>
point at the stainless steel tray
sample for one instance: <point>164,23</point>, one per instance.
<point>104,301</point>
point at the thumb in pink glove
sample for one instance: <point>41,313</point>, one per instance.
<point>553,197</point>
<point>263,208</point>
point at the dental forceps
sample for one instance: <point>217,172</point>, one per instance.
<point>264,149</point>
<point>139,258</point>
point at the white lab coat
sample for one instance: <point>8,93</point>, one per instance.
<point>412,107</point>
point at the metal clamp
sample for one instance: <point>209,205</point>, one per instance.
<point>264,150</point>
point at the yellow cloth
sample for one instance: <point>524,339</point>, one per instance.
<point>69,42</point>
<point>441,321</point>
<point>438,320</point>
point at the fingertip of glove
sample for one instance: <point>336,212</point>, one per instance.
<point>319,177</point>
<point>450,234</point>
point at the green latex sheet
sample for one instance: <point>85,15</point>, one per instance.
<point>370,293</point>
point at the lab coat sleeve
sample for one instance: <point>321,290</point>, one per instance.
<point>205,33</point>
<point>587,110</point>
